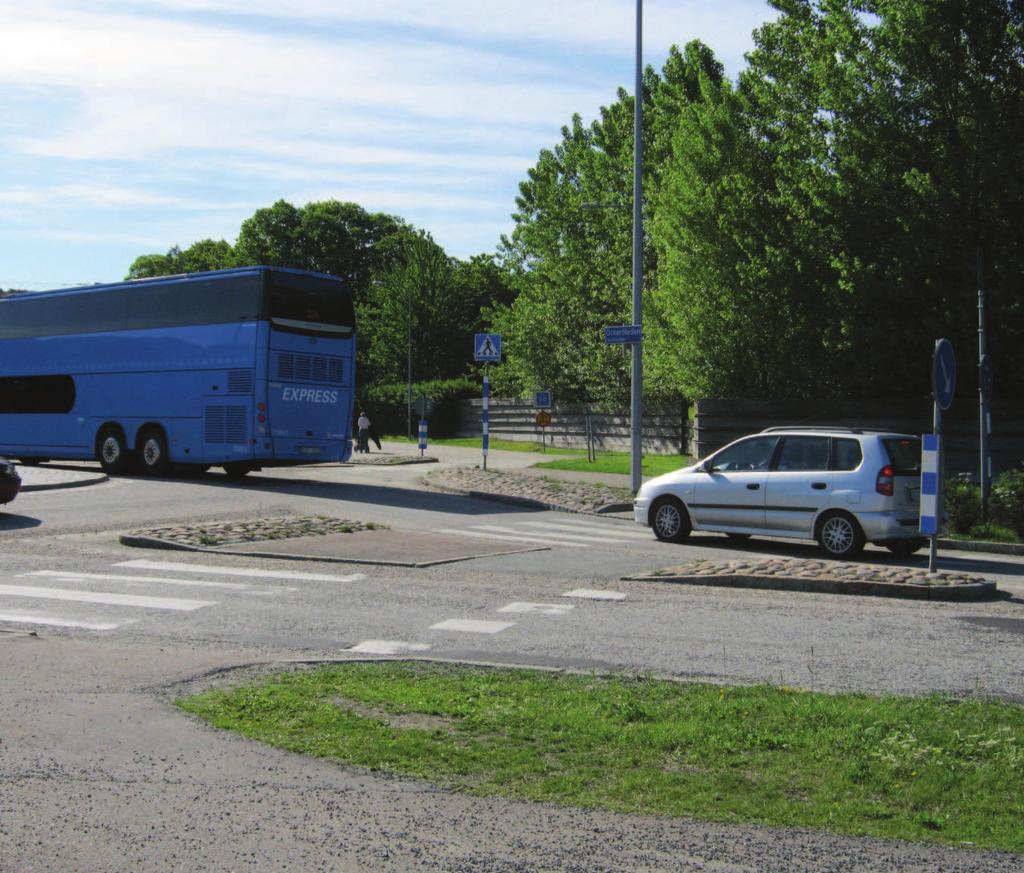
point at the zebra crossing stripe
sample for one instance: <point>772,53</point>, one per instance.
<point>473,626</point>
<point>512,538</point>
<point>608,534</point>
<point>580,539</point>
<point>387,647</point>
<point>592,594</point>
<point>70,575</point>
<point>48,621</point>
<point>182,567</point>
<point>105,598</point>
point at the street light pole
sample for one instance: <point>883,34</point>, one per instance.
<point>636,388</point>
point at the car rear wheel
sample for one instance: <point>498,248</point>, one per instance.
<point>669,520</point>
<point>153,451</point>
<point>839,535</point>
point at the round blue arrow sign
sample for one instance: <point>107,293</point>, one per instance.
<point>944,373</point>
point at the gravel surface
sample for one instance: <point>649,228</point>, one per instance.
<point>221,533</point>
<point>558,493</point>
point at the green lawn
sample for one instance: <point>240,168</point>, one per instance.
<point>607,462</point>
<point>907,768</point>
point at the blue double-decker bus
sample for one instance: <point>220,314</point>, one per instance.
<point>241,368</point>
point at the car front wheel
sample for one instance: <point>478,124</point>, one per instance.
<point>669,520</point>
<point>840,535</point>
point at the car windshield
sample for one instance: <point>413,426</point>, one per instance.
<point>905,455</point>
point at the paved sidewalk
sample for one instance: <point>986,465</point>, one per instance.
<point>47,478</point>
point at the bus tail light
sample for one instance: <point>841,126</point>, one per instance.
<point>884,482</point>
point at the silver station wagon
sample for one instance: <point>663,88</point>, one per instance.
<point>839,486</point>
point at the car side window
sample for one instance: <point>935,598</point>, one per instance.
<point>846,454</point>
<point>804,453</point>
<point>752,454</point>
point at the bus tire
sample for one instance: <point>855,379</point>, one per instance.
<point>153,452</point>
<point>112,450</point>
<point>237,469</point>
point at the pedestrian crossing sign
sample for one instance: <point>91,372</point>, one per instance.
<point>487,347</point>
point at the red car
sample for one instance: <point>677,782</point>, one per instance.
<point>10,481</point>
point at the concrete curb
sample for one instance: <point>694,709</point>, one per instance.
<point>77,483</point>
<point>977,546</point>
<point>956,593</point>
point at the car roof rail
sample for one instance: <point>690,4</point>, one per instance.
<point>824,428</point>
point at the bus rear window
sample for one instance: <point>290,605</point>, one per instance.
<point>904,454</point>
<point>313,312</point>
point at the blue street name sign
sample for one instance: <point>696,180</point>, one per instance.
<point>542,399</point>
<point>623,333</point>
<point>487,347</point>
<point>944,373</point>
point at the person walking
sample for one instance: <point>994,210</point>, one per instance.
<point>363,426</point>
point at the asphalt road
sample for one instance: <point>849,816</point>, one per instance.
<point>100,773</point>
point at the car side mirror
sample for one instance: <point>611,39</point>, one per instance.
<point>705,466</point>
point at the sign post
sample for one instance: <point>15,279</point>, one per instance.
<point>423,436</point>
<point>632,335</point>
<point>486,348</point>
<point>943,389</point>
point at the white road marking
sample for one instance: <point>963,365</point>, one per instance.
<point>592,594</point>
<point>172,603</point>
<point>503,537</point>
<point>538,608</point>
<point>473,626</point>
<point>608,533</point>
<point>579,539</point>
<point>22,618</point>
<point>238,571</point>
<point>387,647</point>
<point>194,583</point>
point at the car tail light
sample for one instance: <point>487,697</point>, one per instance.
<point>884,482</point>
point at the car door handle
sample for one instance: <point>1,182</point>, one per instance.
<point>819,486</point>
<point>753,486</point>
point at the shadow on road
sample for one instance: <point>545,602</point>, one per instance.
<point>9,521</point>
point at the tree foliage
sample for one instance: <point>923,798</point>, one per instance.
<point>813,226</point>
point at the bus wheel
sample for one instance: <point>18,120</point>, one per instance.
<point>153,451</point>
<point>237,470</point>
<point>112,451</point>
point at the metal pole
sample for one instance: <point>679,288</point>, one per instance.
<point>408,364</point>
<point>985,470</point>
<point>636,388</point>
<point>485,417</point>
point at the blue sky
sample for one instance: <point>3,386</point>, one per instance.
<point>127,127</point>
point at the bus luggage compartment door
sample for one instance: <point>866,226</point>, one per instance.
<point>305,421</point>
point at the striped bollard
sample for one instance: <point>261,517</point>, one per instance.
<point>484,415</point>
<point>423,436</point>
<point>931,445</point>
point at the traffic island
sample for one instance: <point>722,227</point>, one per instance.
<point>828,577</point>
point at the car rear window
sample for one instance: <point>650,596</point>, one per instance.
<point>904,455</point>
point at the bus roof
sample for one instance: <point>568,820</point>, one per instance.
<point>232,272</point>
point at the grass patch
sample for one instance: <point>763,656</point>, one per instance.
<point>908,768</point>
<point>607,462</point>
<point>619,462</point>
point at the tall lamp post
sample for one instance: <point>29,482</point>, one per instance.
<point>636,389</point>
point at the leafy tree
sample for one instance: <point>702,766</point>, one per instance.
<point>206,254</point>
<point>571,266</point>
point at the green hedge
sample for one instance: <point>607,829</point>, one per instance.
<point>386,405</point>
<point>962,505</point>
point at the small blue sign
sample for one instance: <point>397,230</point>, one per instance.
<point>423,435</point>
<point>944,373</point>
<point>623,333</point>
<point>487,347</point>
<point>542,399</point>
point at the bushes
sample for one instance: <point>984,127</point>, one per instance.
<point>962,505</point>
<point>386,405</point>
<point>1008,501</point>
